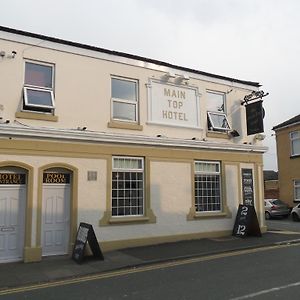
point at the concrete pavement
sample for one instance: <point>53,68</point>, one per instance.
<point>63,267</point>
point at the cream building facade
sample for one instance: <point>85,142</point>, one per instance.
<point>145,151</point>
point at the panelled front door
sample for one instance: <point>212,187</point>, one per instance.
<point>12,216</point>
<point>56,214</point>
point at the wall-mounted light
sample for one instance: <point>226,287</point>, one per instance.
<point>160,136</point>
<point>168,75</point>
<point>13,54</point>
<point>259,137</point>
<point>234,133</point>
<point>182,78</point>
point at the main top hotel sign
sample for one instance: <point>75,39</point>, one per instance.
<point>173,105</point>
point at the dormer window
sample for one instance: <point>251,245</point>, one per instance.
<point>38,88</point>
<point>216,114</point>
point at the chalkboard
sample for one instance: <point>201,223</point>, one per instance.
<point>247,186</point>
<point>86,234</point>
<point>246,222</point>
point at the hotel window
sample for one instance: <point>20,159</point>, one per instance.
<point>207,186</point>
<point>38,87</point>
<point>216,115</point>
<point>124,93</point>
<point>127,186</point>
<point>295,143</point>
<point>297,190</point>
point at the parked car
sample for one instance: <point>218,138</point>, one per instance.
<point>296,213</point>
<point>276,208</point>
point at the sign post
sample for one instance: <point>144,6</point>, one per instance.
<point>85,233</point>
<point>246,222</point>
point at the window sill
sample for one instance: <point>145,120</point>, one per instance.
<point>217,134</point>
<point>36,116</point>
<point>108,219</point>
<point>121,125</point>
<point>193,215</point>
<point>294,156</point>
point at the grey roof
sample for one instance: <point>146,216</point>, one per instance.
<point>291,121</point>
<point>122,54</point>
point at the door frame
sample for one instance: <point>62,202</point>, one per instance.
<point>28,170</point>
<point>73,202</point>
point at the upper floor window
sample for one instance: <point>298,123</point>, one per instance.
<point>295,143</point>
<point>216,115</point>
<point>38,87</point>
<point>124,94</point>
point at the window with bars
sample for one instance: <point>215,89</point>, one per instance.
<point>207,186</point>
<point>128,186</point>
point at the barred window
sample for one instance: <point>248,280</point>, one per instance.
<point>207,186</point>
<point>128,186</point>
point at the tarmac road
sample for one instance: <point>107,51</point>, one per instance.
<point>284,224</point>
<point>262,273</point>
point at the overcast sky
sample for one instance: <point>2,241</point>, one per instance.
<point>256,40</point>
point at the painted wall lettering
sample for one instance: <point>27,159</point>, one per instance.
<point>61,178</point>
<point>12,178</point>
<point>175,105</point>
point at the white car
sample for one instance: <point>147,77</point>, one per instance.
<point>296,213</point>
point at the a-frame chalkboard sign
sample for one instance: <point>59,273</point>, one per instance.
<point>85,233</point>
<point>246,222</point>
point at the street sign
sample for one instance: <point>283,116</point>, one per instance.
<point>86,234</point>
<point>246,222</point>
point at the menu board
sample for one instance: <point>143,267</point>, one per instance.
<point>246,222</point>
<point>247,186</point>
<point>86,234</point>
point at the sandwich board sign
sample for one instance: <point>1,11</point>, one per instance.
<point>86,234</point>
<point>246,222</point>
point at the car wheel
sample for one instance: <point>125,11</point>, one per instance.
<point>295,217</point>
<point>267,215</point>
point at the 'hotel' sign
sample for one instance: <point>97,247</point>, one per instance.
<point>174,105</point>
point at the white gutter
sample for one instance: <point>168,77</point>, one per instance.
<point>86,136</point>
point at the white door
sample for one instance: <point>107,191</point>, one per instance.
<point>55,219</point>
<point>12,222</point>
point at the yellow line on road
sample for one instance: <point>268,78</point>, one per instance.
<point>151,267</point>
<point>284,232</point>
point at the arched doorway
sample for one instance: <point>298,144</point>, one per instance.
<point>13,203</point>
<point>56,207</point>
